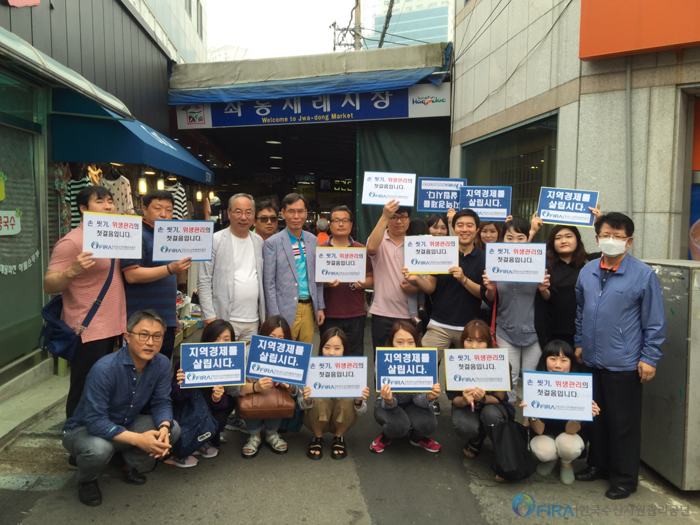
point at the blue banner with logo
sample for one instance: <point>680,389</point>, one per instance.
<point>570,207</point>
<point>491,203</point>
<point>407,369</point>
<point>212,364</point>
<point>281,360</point>
<point>437,195</point>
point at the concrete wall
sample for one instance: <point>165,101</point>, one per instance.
<point>518,60</point>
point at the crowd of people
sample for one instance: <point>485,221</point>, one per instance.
<point>597,313</point>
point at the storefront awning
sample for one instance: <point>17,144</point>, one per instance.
<point>24,54</point>
<point>82,131</point>
<point>288,77</point>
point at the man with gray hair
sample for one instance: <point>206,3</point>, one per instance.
<point>230,286</point>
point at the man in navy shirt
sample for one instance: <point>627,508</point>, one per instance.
<point>152,284</point>
<point>107,426</point>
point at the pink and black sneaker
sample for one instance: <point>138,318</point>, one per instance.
<point>379,444</point>
<point>428,444</point>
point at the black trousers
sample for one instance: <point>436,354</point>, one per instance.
<point>381,327</point>
<point>86,355</point>
<point>168,345</point>
<point>616,434</point>
<point>354,328</point>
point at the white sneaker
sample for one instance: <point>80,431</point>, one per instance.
<point>188,462</point>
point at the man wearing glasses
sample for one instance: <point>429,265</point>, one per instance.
<point>230,286</point>
<point>345,302</point>
<point>266,213</point>
<point>290,273</point>
<point>620,327</point>
<point>108,426</point>
<point>385,251</point>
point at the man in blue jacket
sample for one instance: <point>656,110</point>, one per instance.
<point>108,426</point>
<point>620,327</point>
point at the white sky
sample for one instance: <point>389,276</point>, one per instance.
<point>272,28</point>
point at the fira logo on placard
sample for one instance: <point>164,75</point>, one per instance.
<point>460,378</point>
<point>318,386</point>
<point>164,249</point>
<point>191,376</point>
<point>95,245</point>
<point>537,404</point>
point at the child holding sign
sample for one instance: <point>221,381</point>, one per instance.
<point>403,414</point>
<point>557,439</point>
<point>332,415</point>
<point>475,411</point>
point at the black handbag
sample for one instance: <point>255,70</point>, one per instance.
<point>512,459</point>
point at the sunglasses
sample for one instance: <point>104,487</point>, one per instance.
<point>267,219</point>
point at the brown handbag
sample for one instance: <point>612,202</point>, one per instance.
<point>272,403</point>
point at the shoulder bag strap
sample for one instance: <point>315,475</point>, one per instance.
<point>98,301</point>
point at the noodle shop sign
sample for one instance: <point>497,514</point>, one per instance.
<point>10,222</point>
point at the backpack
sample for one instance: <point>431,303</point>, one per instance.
<point>512,459</point>
<point>197,425</point>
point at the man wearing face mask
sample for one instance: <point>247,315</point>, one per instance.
<point>620,327</point>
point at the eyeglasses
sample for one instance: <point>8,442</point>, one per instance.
<point>340,221</point>
<point>239,213</point>
<point>272,218</point>
<point>397,218</point>
<point>606,236</point>
<point>143,337</point>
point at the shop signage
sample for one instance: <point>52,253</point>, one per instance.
<point>337,377</point>
<point>213,364</point>
<point>424,100</point>
<point>381,187</point>
<point>516,262</point>
<point>425,254</point>
<point>491,203</point>
<point>346,265</point>
<point>438,194</point>
<point>488,369</point>
<point>10,222</point>
<point>550,395</point>
<point>570,207</point>
<point>175,240</point>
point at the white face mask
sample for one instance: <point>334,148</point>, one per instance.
<point>612,247</point>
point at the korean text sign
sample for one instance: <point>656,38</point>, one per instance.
<point>407,369</point>
<point>491,203</point>
<point>281,360</point>
<point>381,187</point>
<point>347,265</point>
<point>212,364</point>
<point>175,240</point>
<point>426,254</point>
<point>516,262</point>
<point>552,395</point>
<point>438,194</point>
<point>569,207</point>
<point>337,377</point>
<point>110,236</point>
<point>487,369</point>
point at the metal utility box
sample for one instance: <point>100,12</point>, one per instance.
<point>671,408</point>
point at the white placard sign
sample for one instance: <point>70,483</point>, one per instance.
<point>487,369</point>
<point>425,254</point>
<point>380,187</point>
<point>175,240</point>
<point>550,395</point>
<point>337,377</point>
<point>110,236</point>
<point>516,262</point>
<point>347,265</point>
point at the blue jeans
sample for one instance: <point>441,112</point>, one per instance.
<point>92,452</point>
<point>255,425</point>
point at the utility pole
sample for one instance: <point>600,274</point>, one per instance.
<point>358,26</point>
<point>387,19</point>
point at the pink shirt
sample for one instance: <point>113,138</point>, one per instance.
<point>110,319</point>
<point>389,298</point>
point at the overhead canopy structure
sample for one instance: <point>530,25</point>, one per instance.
<point>334,73</point>
<point>87,132</point>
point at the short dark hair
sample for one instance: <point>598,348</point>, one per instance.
<point>408,327</point>
<point>333,332</point>
<point>83,198</point>
<point>434,219</point>
<point>157,195</point>
<point>345,209</point>
<point>276,321</point>
<point>265,204</point>
<point>139,316</point>
<point>214,329</point>
<point>617,221</point>
<point>578,258</point>
<point>291,198</point>
<point>519,225</point>
<point>466,213</point>
<point>554,348</point>
<point>417,227</point>
<point>404,209</point>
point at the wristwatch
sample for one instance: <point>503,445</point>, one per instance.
<point>166,425</point>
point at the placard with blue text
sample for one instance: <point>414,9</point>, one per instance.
<point>337,377</point>
<point>550,395</point>
<point>212,364</point>
<point>175,240</point>
<point>570,207</point>
<point>110,236</point>
<point>484,368</point>
<point>437,195</point>
<point>516,262</point>
<point>491,203</point>
<point>407,369</point>
<point>281,360</point>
